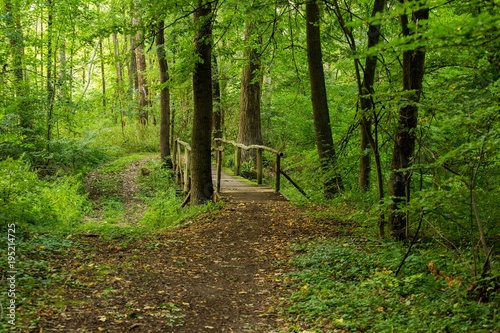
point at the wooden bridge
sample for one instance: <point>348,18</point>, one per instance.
<point>233,187</point>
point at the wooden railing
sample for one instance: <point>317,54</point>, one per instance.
<point>181,157</point>
<point>238,148</point>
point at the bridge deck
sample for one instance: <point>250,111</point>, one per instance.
<point>238,189</point>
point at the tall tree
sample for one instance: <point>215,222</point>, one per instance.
<point>368,115</point>
<point>141,75</point>
<point>250,130</point>
<point>217,119</point>
<point>132,69</point>
<point>119,78</point>
<point>324,140</point>
<point>14,33</point>
<point>103,76</point>
<point>367,105</point>
<point>365,78</point>
<point>164,94</point>
<point>50,71</point>
<point>404,141</point>
<point>201,171</point>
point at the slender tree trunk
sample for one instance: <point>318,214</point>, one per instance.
<point>164,95</point>
<point>119,78</point>
<point>201,172</point>
<point>14,33</point>
<point>368,114</point>
<point>118,65</point>
<point>324,139</point>
<point>141,77</point>
<point>249,130</point>
<point>132,73</point>
<point>103,77</point>
<point>217,114</point>
<point>404,143</point>
<point>50,62</point>
<point>366,99</point>
<point>62,90</point>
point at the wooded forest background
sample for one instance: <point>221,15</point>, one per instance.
<point>390,106</point>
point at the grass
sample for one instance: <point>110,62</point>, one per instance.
<point>121,163</point>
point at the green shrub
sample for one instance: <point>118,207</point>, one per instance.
<point>164,209</point>
<point>26,200</point>
<point>350,285</point>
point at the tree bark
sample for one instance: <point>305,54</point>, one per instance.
<point>103,76</point>
<point>141,78</point>
<point>50,62</point>
<point>368,115</point>
<point>366,99</point>
<point>132,72</point>
<point>164,95</point>
<point>404,142</point>
<point>201,173</point>
<point>119,78</point>
<point>15,36</point>
<point>217,113</point>
<point>324,140</point>
<point>249,130</point>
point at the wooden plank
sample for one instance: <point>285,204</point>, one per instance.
<point>240,190</point>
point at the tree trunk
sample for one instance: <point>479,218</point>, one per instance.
<point>164,95</point>
<point>119,78</point>
<point>132,73</point>
<point>141,77</point>
<point>103,77</point>
<point>201,172</point>
<point>368,115</point>
<point>324,140</point>
<point>50,62</point>
<point>366,99</point>
<point>14,33</point>
<point>404,143</point>
<point>249,130</point>
<point>217,115</point>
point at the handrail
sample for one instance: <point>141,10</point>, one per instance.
<point>177,159</point>
<point>181,164</point>
<point>244,147</point>
<point>183,143</point>
<point>237,160</point>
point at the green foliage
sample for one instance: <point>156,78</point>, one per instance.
<point>35,272</point>
<point>163,204</point>
<point>121,163</point>
<point>349,284</point>
<point>31,202</point>
<point>133,139</point>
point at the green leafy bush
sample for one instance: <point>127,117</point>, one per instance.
<point>26,200</point>
<point>163,204</point>
<point>350,285</point>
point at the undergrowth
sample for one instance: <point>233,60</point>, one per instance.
<point>348,284</point>
<point>158,190</point>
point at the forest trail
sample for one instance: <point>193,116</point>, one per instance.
<point>223,272</point>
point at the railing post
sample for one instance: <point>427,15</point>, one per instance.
<point>259,165</point>
<point>174,160</point>
<point>237,161</point>
<point>187,180</point>
<point>218,153</point>
<point>278,172</point>
<point>179,176</point>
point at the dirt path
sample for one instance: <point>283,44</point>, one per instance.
<point>222,273</point>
